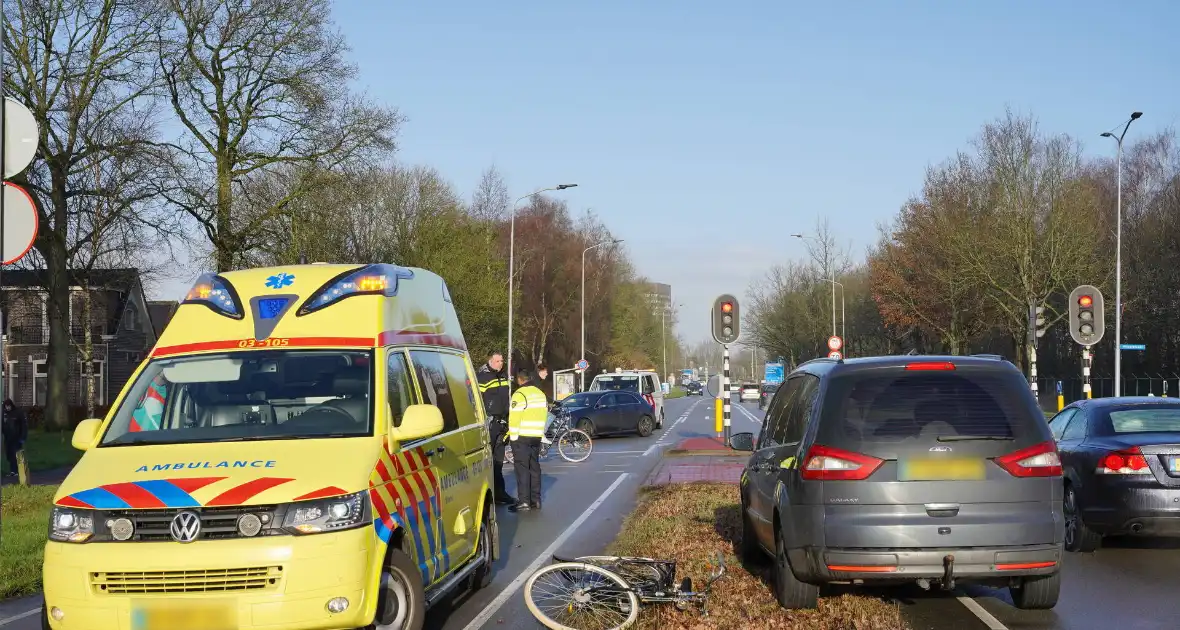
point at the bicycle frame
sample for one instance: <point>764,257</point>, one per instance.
<point>662,591</point>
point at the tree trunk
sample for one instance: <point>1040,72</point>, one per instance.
<point>224,242</point>
<point>58,310</point>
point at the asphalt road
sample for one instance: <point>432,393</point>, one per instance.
<point>1131,584</point>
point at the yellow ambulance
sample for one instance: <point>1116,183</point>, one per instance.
<point>304,448</point>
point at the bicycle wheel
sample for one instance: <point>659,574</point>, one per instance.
<point>580,596</point>
<point>635,570</point>
<point>575,445</point>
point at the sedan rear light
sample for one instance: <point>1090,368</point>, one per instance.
<point>824,463</point>
<point>1128,461</point>
<point>1040,460</point>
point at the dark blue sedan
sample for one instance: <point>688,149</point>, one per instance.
<point>610,413</point>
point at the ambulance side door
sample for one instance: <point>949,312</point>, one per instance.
<point>454,534</point>
<point>476,449</point>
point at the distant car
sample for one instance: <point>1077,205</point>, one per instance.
<point>609,412</point>
<point>644,382</point>
<point>766,394</point>
<point>694,388</point>
<point>1121,460</point>
<point>934,470</point>
<point>749,392</point>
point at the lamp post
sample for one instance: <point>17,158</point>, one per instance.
<point>511,278</point>
<point>832,270</point>
<point>614,241</point>
<point>664,337</point>
<point>1118,260</point>
<point>843,322</point>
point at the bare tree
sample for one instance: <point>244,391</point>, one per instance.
<point>84,69</point>
<point>259,85</point>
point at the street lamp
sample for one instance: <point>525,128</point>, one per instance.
<point>1118,260</point>
<point>832,269</point>
<point>511,278</point>
<point>664,336</point>
<point>614,241</point>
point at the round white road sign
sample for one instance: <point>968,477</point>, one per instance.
<point>835,354</point>
<point>20,223</point>
<point>835,343</point>
<point>20,138</point>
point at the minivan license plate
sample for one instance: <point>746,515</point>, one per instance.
<point>1174,464</point>
<point>184,614</point>
<point>940,469</point>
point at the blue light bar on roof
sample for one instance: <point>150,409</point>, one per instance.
<point>377,279</point>
<point>216,293</point>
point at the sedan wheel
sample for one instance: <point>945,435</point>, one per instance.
<point>1078,537</point>
<point>645,426</point>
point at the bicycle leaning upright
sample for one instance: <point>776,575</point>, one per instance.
<point>606,592</point>
<point>574,445</point>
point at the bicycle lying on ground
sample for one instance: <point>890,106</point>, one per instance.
<point>606,592</point>
<point>574,445</point>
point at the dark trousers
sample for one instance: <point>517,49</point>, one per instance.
<point>527,452</point>
<point>10,449</point>
<point>498,431</point>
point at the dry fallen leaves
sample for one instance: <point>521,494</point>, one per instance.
<point>691,523</point>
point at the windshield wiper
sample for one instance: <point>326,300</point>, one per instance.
<point>973,438</point>
<point>261,438</point>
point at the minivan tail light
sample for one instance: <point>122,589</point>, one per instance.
<point>824,463</point>
<point>1040,460</point>
<point>944,366</point>
<point>1128,461</point>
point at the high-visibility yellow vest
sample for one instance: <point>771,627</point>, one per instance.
<point>529,411</point>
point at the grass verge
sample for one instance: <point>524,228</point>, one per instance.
<point>690,523</point>
<point>46,450</point>
<point>25,522</point>
<point>675,392</point>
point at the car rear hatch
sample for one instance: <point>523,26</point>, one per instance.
<point>935,454</point>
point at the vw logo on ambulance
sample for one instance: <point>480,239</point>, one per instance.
<point>185,527</point>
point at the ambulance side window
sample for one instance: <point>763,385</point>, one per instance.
<point>401,389</point>
<point>459,381</point>
<point>432,381</point>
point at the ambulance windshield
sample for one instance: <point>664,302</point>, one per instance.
<point>254,395</point>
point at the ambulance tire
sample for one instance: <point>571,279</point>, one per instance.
<point>482,576</point>
<point>45,618</point>
<point>402,581</point>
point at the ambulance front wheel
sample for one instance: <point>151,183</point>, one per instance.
<point>402,602</point>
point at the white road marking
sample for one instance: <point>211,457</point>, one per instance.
<point>492,608</point>
<point>27,613</point>
<point>990,621</point>
<point>750,415</point>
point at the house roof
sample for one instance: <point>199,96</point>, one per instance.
<point>160,312</point>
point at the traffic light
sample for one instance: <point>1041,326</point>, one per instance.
<point>1036,324</point>
<point>1086,321</point>
<point>726,320</point>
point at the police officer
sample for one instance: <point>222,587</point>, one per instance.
<point>493,387</point>
<point>526,427</point>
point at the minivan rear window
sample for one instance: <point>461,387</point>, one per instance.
<point>878,406</point>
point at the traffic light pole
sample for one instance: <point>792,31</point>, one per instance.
<point>1032,369</point>
<point>726,401</point>
<point>1086,357</point>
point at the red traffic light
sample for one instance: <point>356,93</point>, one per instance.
<point>726,307</point>
<point>1085,301</point>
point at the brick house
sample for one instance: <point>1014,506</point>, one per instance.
<point>123,332</point>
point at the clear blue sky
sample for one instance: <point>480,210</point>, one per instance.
<point>700,130</point>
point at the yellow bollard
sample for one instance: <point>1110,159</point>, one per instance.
<point>1089,394</point>
<point>1060,402</point>
<point>718,414</point>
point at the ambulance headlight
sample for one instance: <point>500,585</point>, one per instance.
<point>328,515</point>
<point>216,293</point>
<point>70,525</point>
<point>378,279</point>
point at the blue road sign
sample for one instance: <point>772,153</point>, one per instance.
<point>774,373</point>
<point>1058,388</point>
<point>582,365</point>
<point>1132,346</point>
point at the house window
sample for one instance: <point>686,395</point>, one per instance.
<point>10,381</point>
<point>132,317</point>
<point>40,383</point>
<point>99,382</point>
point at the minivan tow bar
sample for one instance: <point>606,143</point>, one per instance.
<point>948,572</point>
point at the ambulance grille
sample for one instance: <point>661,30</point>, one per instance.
<point>152,525</point>
<point>191,581</point>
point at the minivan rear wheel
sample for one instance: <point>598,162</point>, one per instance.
<point>1037,592</point>
<point>790,592</point>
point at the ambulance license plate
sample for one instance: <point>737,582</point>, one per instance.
<point>184,614</point>
<point>940,469</point>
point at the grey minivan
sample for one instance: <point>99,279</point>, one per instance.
<point>930,470</point>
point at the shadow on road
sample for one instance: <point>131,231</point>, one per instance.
<point>1140,542</point>
<point>438,616</point>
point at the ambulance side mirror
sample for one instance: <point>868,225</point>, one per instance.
<point>419,421</point>
<point>85,434</point>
